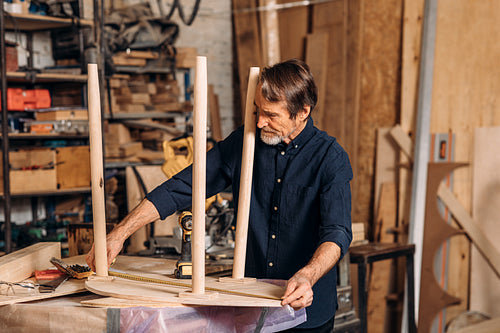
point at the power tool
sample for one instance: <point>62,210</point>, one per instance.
<point>184,266</point>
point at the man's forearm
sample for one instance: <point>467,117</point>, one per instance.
<point>144,213</point>
<point>323,260</point>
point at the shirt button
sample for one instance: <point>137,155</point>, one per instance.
<point>273,236</point>
<point>283,153</point>
<point>275,208</point>
<point>296,146</point>
<point>279,180</point>
<point>271,264</point>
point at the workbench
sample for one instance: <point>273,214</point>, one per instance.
<point>88,312</point>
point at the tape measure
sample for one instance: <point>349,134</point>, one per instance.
<point>185,285</point>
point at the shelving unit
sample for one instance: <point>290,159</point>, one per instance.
<point>29,23</point>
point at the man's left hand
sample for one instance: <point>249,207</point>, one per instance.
<point>298,293</point>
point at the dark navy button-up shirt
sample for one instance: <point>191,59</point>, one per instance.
<point>300,198</point>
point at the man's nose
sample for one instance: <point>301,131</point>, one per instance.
<point>261,121</point>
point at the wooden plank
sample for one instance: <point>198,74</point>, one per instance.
<point>21,264</point>
<point>130,148</point>
<point>126,61</point>
<point>269,32</point>
<point>293,28</point>
<point>485,293</point>
<point>355,24</point>
<point>213,108</point>
<point>465,47</point>
<point>134,196</point>
<point>386,160</point>
<point>330,18</point>
<point>73,166</point>
<point>382,271</point>
<point>410,65</point>
<point>248,46</point>
<point>378,92</point>
<point>69,287</point>
<point>317,59</point>
<point>138,54</point>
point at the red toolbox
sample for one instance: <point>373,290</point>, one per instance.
<point>19,99</point>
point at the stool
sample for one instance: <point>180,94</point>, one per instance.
<point>366,254</point>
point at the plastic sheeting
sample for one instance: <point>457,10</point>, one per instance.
<point>219,319</point>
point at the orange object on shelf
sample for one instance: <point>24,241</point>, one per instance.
<point>41,128</point>
<point>19,99</point>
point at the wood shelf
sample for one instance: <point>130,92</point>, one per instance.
<point>45,77</point>
<point>41,136</point>
<point>77,190</point>
<point>31,22</point>
<point>146,115</point>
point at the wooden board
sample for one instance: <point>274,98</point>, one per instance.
<point>73,166</point>
<point>293,27</point>
<point>163,269</point>
<point>465,46</point>
<point>317,59</point>
<point>114,302</point>
<point>485,284</point>
<point>386,161</point>
<point>69,287</point>
<point>21,264</point>
<point>127,289</point>
<point>382,272</point>
<point>248,46</point>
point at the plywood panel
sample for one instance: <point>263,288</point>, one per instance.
<point>466,87</point>
<point>293,28</point>
<point>379,91</point>
<point>485,290</point>
<point>247,42</point>
<point>330,18</point>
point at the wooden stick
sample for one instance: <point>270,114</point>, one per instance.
<point>240,246</point>
<point>199,174</point>
<point>97,172</point>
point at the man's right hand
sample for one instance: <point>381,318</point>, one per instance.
<point>113,247</point>
<point>141,215</point>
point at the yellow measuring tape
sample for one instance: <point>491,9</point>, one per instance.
<point>187,285</point>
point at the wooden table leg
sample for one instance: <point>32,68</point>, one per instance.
<point>410,283</point>
<point>362,296</point>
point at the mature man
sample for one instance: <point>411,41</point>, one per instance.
<point>300,211</point>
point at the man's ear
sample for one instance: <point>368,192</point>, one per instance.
<point>304,113</point>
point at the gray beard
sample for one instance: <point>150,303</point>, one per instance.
<point>270,140</point>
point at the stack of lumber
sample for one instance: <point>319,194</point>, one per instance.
<point>137,94</point>
<point>134,58</point>
<point>124,143</point>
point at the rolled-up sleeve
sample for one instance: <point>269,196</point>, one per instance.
<point>335,201</point>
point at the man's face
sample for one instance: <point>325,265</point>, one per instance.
<point>273,119</point>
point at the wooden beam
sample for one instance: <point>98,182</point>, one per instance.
<point>245,190</point>
<point>199,175</point>
<point>20,265</point>
<point>317,59</point>
<point>97,172</point>
<point>213,108</point>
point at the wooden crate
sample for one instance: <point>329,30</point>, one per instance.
<point>81,237</point>
<point>31,171</point>
<point>73,167</point>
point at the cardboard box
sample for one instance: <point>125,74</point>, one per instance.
<point>31,171</point>
<point>73,167</point>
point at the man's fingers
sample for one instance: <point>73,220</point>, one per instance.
<point>296,293</point>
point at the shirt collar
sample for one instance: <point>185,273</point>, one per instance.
<point>304,136</point>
